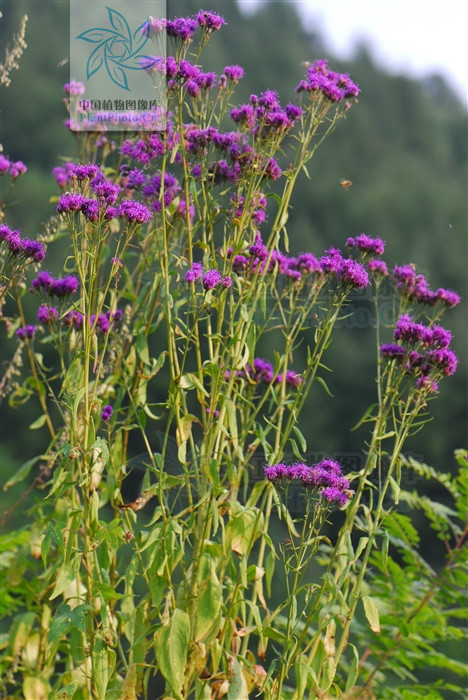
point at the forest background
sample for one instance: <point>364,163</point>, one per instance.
<point>404,148</point>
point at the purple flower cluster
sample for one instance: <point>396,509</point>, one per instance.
<point>134,212</point>
<point>258,204</point>
<point>15,169</point>
<point>263,372</point>
<point>26,332</point>
<point>367,244</point>
<point>210,279</point>
<point>326,476</point>
<point>51,286</point>
<point>378,267</point>
<point>264,115</point>
<point>47,314</point>
<point>106,413</point>
<point>183,28</point>
<point>257,257</point>
<point>74,88</point>
<point>21,248</point>
<point>346,270</point>
<point>79,172</point>
<point>422,351</point>
<point>332,85</point>
<point>415,287</point>
<point>180,74</point>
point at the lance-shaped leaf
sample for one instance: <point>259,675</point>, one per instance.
<point>171,650</point>
<point>372,613</point>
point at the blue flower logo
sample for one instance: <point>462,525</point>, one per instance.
<point>117,49</point>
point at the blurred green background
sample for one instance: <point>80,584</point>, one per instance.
<point>404,146</point>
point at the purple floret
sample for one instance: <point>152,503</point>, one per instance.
<point>26,332</point>
<point>211,279</point>
<point>181,28</point>
<point>234,73</point>
<point>332,494</point>
<point>33,249</point>
<point>367,244</point>
<point>70,202</point>
<point>194,273</point>
<point>378,267</point>
<point>210,21</point>
<point>448,297</point>
<point>18,168</point>
<point>352,272</point>
<point>47,314</point>
<point>106,412</point>
<point>134,212</point>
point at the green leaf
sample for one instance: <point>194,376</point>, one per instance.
<point>68,573</point>
<point>171,646</point>
<point>322,383</point>
<point>371,612</point>
<point>22,472</point>
<point>353,670</point>
<point>191,381</point>
<point>238,689</point>
<point>301,438</point>
<point>209,600</point>
<point>38,423</point>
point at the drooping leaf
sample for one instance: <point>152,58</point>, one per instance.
<point>371,612</point>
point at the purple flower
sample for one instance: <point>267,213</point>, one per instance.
<point>234,73</point>
<point>262,371</point>
<point>18,168</point>
<point>441,337</point>
<point>410,332</point>
<point>378,267</point>
<point>444,360</point>
<point>181,28</point>
<point>65,286</point>
<point>194,273</point>
<point>26,332</point>
<point>226,282</point>
<point>426,383</point>
<point>73,319</point>
<point>211,279</point>
<point>33,249</point>
<point>392,351</point>
<point>258,249</point>
<point>70,202</point>
<point>352,272</point>
<point>4,164</point>
<point>104,189</point>
<point>47,314</point>
<point>134,212</point>
<point>192,88</point>
<point>272,170</point>
<point>74,88</point>
<point>448,297</point>
<point>367,244</point>
<point>293,112</point>
<point>210,21</point>
<point>333,494</point>
<point>106,412</point>
<point>5,233</point>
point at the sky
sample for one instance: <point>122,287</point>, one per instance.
<point>418,37</point>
